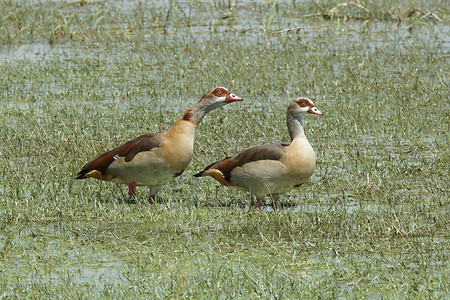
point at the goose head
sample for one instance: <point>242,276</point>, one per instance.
<point>213,99</point>
<point>217,97</point>
<point>303,105</point>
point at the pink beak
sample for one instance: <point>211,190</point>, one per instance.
<point>313,110</point>
<point>232,97</point>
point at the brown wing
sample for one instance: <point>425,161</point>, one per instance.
<point>225,166</point>
<point>128,150</point>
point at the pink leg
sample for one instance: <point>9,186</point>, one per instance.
<point>274,205</point>
<point>275,201</point>
<point>132,189</point>
<point>153,191</point>
<point>258,205</point>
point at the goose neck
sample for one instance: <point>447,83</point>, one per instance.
<point>196,113</point>
<point>295,126</point>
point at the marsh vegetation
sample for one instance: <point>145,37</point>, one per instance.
<point>79,77</point>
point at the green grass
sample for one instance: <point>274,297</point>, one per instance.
<point>78,79</point>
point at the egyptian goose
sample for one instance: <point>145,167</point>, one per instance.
<point>156,158</point>
<point>271,169</point>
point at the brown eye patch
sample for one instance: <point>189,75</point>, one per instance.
<point>219,92</point>
<point>304,102</point>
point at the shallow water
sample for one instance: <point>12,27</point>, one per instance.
<point>39,256</point>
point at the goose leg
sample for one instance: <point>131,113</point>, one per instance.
<point>258,203</point>
<point>275,201</point>
<point>153,191</point>
<point>132,189</point>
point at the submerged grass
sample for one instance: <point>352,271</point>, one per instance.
<point>372,221</point>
